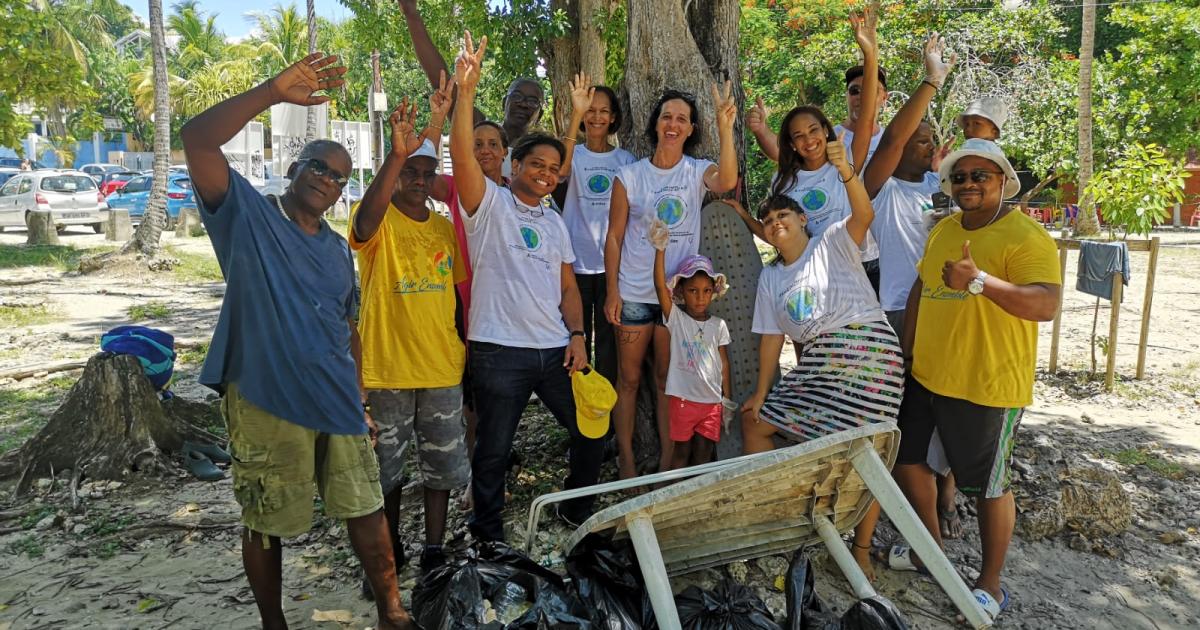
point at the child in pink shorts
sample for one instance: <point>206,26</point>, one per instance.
<point>698,376</point>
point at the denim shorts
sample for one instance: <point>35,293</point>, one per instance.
<point>640,314</point>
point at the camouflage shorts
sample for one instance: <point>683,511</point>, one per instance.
<point>436,415</point>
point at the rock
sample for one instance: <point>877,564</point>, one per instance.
<point>1079,543</point>
<point>46,523</point>
<point>43,484</point>
<point>772,566</point>
<point>78,528</point>
<point>1172,537</point>
<point>1093,501</point>
<point>1166,577</point>
<point>1086,419</point>
<point>118,227</point>
<point>738,571</point>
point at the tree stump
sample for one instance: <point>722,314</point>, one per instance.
<point>118,226</point>
<point>111,425</point>
<point>189,220</point>
<point>40,227</point>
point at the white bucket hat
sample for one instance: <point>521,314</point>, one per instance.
<point>988,107</point>
<point>985,149</point>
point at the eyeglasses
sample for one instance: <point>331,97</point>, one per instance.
<point>527,99</point>
<point>320,168</point>
<point>854,90</point>
<point>535,213</point>
<point>978,176</point>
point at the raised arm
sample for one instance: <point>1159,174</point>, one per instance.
<point>379,194</point>
<point>755,226</point>
<point>660,237</point>
<point>618,217</point>
<point>895,137</point>
<point>756,122</point>
<point>865,34</point>
<point>581,99</point>
<point>723,177</point>
<point>861,212</point>
<point>203,135</point>
<point>468,177</point>
<point>440,102</point>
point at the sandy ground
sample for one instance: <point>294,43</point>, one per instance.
<point>163,553</point>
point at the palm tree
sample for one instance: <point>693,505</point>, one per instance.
<point>283,30</point>
<point>1086,223</point>
<point>199,40</point>
<point>310,113</point>
<point>146,239</point>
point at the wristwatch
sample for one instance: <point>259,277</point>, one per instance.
<point>577,333</point>
<point>975,286</point>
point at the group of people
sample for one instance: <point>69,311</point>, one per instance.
<point>560,253</point>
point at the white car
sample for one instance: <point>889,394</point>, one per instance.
<point>97,171</point>
<point>71,197</point>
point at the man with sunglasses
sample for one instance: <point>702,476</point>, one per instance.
<point>285,351</point>
<point>988,275</point>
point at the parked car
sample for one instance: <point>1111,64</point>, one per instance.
<point>97,171</point>
<point>7,173</point>
<point>134,196</point>
<point>71,197</point>
<point>114,180</point>
<point>15,162</point>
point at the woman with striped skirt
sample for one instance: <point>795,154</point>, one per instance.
<point>850,370</point>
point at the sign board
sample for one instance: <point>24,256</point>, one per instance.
<point>245,153</point>
<point>289,125</point>
<point>356,137</point>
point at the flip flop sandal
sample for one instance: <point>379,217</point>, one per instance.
<point>989,603</point>
<point>214,453</point>
<point>201,466</point>
<point>897,558</point>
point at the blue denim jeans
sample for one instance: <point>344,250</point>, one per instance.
<point>503,379</point>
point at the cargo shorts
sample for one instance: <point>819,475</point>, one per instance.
<point>435,416</point>
<point>276,464</point>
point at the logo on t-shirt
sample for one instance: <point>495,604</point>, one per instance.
<point>533,240</point>
<point>670,210</point>
<point>814,199</point>
<point>443,263</point>
<point>599,183</point>
<point>800,304</point>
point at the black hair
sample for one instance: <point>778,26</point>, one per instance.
<point>790,161</point>
<point>497,127</point>
<point>652,124</point>
<point>857,71</point>
<point>614,105</point>
<point>781,202</point>
<point>529,141</point>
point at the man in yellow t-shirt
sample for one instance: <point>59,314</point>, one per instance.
<point>412,354</point>
<point>988,275</point>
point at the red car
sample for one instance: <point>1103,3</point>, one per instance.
<point>115,180</point>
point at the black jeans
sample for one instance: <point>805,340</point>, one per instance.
<point>504,377</point>
<point>594,291</point>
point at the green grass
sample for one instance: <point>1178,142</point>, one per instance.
<point>149,310</point>
<point>22,316</point>
<point>338,225</point>
<point>193,356</point>
<point>1151,461</point>
<point>103,523</point>
<point>33,518</point>
<point>61,257</point>
<point>24,411</point>
<point>195,267</point>
<point>28,545</point>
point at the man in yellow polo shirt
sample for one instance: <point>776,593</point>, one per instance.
<point>988,275</point>
<point>412,354</point>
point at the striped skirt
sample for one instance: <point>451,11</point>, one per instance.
<point>844,379</point>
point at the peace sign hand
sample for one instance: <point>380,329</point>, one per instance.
<point>403,122</point>
<point>756,118</point>
<point>441,99</point>
<point>581,92</point>
<point>469,65</point>
<point>299,82</point>
<point>725,106</point>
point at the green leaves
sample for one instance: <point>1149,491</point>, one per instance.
<point>1137,191</point>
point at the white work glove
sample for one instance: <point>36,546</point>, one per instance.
<point>729,411</point>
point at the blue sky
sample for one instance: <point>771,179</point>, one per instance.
<point>230,13</point>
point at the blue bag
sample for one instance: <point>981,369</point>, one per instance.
<point>153,348</point>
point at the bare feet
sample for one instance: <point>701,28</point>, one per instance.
<point>950,522</point>
<point>397,622</point>
<point>863,558</point>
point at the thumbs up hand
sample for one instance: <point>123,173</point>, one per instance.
<point>956,274</point>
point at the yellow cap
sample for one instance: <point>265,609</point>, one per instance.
<point>594,399</point>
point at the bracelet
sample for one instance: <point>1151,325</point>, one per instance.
<point>577,333</point>
<point>858,546</point>
<point>933,85</point>
<point>567,139</point>
<point>366,406</point>
<point>847,180</point>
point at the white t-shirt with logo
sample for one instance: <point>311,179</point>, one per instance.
<point>517,252</point>
<point>696,372</point>
<point>822,196</point>
<point>674,195</point>
<point>585,210</point>
<point>849,139</point>
<point>901,229</point>
<point>823,290</point>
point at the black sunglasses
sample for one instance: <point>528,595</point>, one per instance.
<point>978,176</point>
<point>320,168</point>
<point>854,90</point>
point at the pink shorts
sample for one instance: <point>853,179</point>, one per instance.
<point>688,418</point>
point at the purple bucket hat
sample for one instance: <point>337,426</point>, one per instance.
<point>694,264</point>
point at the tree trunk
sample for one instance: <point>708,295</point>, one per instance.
<point>580,49</point>
<point>1087,222</point>
<point>310,113</point>
<point>111,424</point>
<point>40,228</point>
<point>146,239</point>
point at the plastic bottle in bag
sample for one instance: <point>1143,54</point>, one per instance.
<point>510,603</point>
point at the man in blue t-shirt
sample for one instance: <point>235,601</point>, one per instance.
<point>285,353</point>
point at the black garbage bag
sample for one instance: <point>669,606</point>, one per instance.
<point>729,606</point>
<point>873,613</point>
<point>517,590</point>
<point>604,573</point>
<point>805,611</point>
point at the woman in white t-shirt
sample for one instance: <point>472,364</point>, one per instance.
<point>849,368</point>
<point>669,185</point>
<point>588,172</point>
